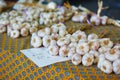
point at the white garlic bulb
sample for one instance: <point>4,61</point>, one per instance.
<point>53,42</point>
<point>82,48</point>
<point>62,33</point>
<point>14,34</point>
<point>36,41</point>
<point>87,59</point>
<point>94,44</point>
<point>53,50</point>
<point>46,41</point>
<point>51,5</point>
<point>103,20</point>
<point>63,41</point>
<point>95,54</point>
<point>116,66</point>
<point>47,31</point>
<point>72,44</point>
<point>103,50</point>
<point>55,36</point>
<point>95,19</point>
<point>101,58</point>
<point>41,33</point>
<point>24,32</point>
<point>106,42</point>
<point>112,54</point>
<point>76,59</point>
<point>92,36</point>
<point>71,52</point>
<point>117,47</point>
<point>106,66</point>
<point>76,18</point>
<point>2,29</point>
<point>63,51</point>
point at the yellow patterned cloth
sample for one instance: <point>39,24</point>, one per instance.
<point>16,66</point>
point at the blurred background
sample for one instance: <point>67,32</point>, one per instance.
<point>113,11</point>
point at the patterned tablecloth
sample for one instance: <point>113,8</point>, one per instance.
<point>16,66</point>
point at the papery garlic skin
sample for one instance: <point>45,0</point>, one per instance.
<point>87,59</point>
<point>76,59</point>
<point>116,66</point>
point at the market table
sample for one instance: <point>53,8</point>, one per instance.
<point>16,66</point>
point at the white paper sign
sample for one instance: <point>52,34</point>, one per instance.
<point>41,56</point>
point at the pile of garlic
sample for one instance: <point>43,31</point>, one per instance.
<point>17,23</point>
<point>28,20</point>
<point>60,15</point>
<point>89,18</point>
<point>79,47</point>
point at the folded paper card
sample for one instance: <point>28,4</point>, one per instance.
<point>41,56</point>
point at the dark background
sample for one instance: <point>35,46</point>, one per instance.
<point>113,11</point>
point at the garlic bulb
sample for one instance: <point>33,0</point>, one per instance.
<point>116,66</point>
<point>106,66</point>
<point>103,50</point>
<point>63,41</point>
<point>95,54</point>
<point>76,18</point>
<point>24,32</point>
<point>104,20</point>
<point>71,52</point>
<point>112,54</point>
<point>63,51</point>
<point>51,5</point>
<point>95,19</point>
<point>106,42</point>
<point>82,48</point>
<point>76,59</point>
<point>14,34</point>
<point>101,58</point>
<point>53,50</point>
<point>92,36</point>
<point>41,33</point>
<point>94,44</point>
<point>36,41</point>
<point>2,29</point>
<point>46,41</point>
<point>87,59</point>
